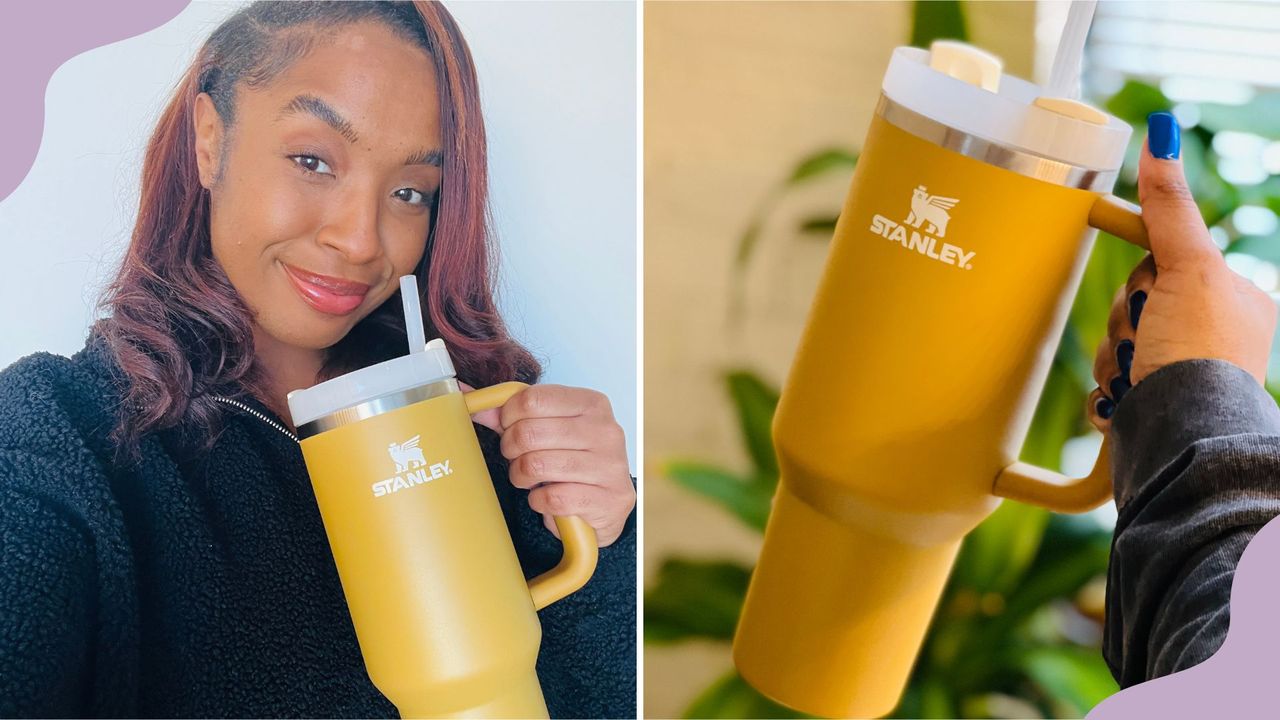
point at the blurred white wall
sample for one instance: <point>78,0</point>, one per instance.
<point>558,83</point>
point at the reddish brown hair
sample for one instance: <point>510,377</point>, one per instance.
<point>178,329</point>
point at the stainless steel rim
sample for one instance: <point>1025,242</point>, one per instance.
<point>377,406</point>
<point>992,153</point>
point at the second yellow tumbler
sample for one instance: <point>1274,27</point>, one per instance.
<point>954,264</point>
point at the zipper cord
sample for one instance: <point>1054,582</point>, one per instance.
<point>257,414</point>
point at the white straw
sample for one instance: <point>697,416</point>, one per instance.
<point>412,313</point>
<point>1064,78</point>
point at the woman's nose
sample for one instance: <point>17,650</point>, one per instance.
<point>352,228</point>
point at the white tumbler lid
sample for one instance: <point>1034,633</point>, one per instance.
<point>1008,115</point>
<point>432,364</point>
<point>425,364</point>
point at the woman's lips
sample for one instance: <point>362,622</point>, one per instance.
<point>328,295</point>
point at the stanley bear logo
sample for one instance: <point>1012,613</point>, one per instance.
<point>932,209</point>
<point>405,453</point>
<point>931,213</point>
<point>411,468</point>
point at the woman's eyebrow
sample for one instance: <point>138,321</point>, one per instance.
<point>314,106</point>
<point>426,157</point>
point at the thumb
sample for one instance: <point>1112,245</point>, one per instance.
<point>491,418</point>
<point>1177,232</point>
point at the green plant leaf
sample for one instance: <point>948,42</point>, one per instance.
<point>1136,100</point>
<point>1274,390</point>
<point>1108,270</point>
<point>1215,197</point>
<point>1265,193</point>
<point>755,402</point>
<point>999,705</point>
<point>747,498</point>
<point>747,243</point>
<point>813,165</point>
<point>936,699</point>
<point>1074,550</point>
<point>998,551</point>
<point>824,225</point>
<point>694,599</point>
<point>937,20</point>
<point>1058,418</point>
<point>821,162</point>
<point>1260,116</point>
<point>732,697</point>
<point>1263,248</point>
<point>1075,676</point>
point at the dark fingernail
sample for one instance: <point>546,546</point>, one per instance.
<point>1124,358</point>
<point>1136,302</point>
<point>1119,386</point>
<point>1163,138</point>
<point>1105,407</point>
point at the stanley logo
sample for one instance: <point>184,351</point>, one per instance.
<point>411,468</point>
<point>929,212</point>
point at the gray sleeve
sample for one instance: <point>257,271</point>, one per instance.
<point>1196,465</point>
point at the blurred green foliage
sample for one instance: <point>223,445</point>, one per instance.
<point>1007,639</point>
<point>939,20</point>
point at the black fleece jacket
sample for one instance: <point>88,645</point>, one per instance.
<point>204,586</point>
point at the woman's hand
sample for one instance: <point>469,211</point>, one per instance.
<point>565,447</point>
<point>1191,305</point>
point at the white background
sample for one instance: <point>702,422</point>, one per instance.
<point>559,97</point>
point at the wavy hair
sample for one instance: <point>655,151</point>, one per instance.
<point>177,328</point>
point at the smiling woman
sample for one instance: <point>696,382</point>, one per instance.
<point>301,119</point>
<point>311,208</point>
<point>164,555</point>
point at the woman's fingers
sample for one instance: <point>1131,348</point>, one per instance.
<point>604,511</point>
<point>1106,367</point>
<point>543,401</point>
<point>1114,360</point>
<point>532,469</point>
<point>1141,282</point>
<point>1179,237</point>
<point>555,433</point>
<point>1100,410</point>
<point>564,446</point>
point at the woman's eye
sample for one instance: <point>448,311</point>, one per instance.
<point>311,163</point>
<point>411,196</point>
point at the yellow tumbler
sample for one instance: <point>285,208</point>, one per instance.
<point>955,261</point>
<point>446,623</point>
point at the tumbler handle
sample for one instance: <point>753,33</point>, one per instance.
<point>1120,218</point>
<point>579,539</point>
<point>1035,485</point>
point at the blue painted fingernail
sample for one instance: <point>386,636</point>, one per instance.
<point>1119,386</point>
<point>1163,138</point>
<point>1136,303</point>
<point>1105,407</point>
<point>1124,358</point>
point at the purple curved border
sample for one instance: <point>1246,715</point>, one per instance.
<point>1237,680</point>
<point>36,38</point>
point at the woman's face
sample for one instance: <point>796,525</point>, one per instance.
<point>330,170</point>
